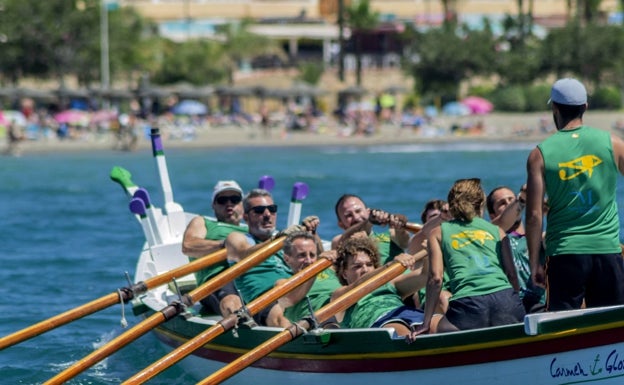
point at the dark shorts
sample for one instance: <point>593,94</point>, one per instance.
<point>405,315</point>
<point>597,278</point>
<point>211,303</point>
<point>499,308</point>
<point>262,315</point>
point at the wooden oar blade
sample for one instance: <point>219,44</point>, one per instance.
<point>323,314</point>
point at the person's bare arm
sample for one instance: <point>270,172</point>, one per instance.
<point>296,295</point>
<point>194,242</point>
<point>409,283</point>
<point>507,261</point>
<point>512,213</point>
<point>359,227</point>
<point>618,152</point>
<point>534,213</point>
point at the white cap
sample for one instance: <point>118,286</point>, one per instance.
<point>225,185</point>
<point>568,91</point>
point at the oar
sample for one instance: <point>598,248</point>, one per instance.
<point>266,182</point>
<point>124,178</point>
<point>169,311</point>
<point>111,299</point>
<point>137,206</point>
<point>175,213</point>
<point>294,331</point>
<point>413,227</point>
<point>299,193</point>
<point>152,216</point>
<point>228,323</point>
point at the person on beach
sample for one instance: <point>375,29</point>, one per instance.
<point>301,249</point>
<point>505,209</point>
<point>477,259</point>
<point>353,217</point>
<point>204,236</point>
<point>359,259</point>
<point>260,214</point>
<point>577,169</point>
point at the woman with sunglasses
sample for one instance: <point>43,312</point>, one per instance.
<point>476,256</point>
<point>204,236</point>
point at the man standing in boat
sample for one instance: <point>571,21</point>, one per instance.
<point>260,214</point>
<point>577,168</point>
<point>353,217</point>
<point>204,236</point>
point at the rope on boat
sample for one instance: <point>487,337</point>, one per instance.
<point>124,322</point>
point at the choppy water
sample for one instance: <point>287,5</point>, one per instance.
<point>67,236</point>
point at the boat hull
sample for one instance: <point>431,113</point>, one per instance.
<point>592,352</point>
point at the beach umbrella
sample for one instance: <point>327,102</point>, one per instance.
<point>72,117</point>
<point>190,107</point>
<point>478,105</point>
<point>103,116</point>
<point>455,109</point>
<point>14,116</point>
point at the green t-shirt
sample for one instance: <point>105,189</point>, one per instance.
<point>216,231</point>
<point>263,276</point>
<point>471,258</point>
<point>371,307</point>
<point>581,177</point>
<point>324,285</point>
<point>520,253</point>
<point>387,249</point>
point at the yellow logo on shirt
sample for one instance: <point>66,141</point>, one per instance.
<point>467,237</point>
<point>584,164</point>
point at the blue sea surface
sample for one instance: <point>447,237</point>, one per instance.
<point>68,236</point>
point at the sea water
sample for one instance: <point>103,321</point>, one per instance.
<point>67,236</point>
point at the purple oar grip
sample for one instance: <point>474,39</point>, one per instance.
<point>300,191</point>
<point>157,146</point>
<point>137,207</point>
<point>266,182</point>
<point>143,195</point>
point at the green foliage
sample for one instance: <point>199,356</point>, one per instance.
<point>536,97</point>
<point>311,72</point>
<point>196,62</point>
<point>511,98</point>
<point>606,98</point>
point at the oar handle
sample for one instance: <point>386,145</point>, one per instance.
<point>323,314</point>
<point>413,227</point>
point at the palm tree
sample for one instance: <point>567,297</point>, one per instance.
<point>360,18</point>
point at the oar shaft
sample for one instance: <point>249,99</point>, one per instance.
<point>226,324</point>
<point>323,314</point>
<point>59,320</point>
<point>196,265</point>
<point>109,348</point>
<point>107,301</point>
<point>234,271</point>
<point>170,311</point>
<point>413,227</point>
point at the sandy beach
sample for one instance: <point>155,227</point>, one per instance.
<point>500,127</point>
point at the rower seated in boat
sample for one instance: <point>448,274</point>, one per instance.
<point>477,259</point>
<point>358,259</point>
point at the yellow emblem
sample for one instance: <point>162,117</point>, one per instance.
<point>464,238</point>
<point>585,163</point>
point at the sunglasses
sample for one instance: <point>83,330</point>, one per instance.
<point>234,199</point>
<point>260,209</point>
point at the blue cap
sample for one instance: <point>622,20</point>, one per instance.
<point>568,91</point>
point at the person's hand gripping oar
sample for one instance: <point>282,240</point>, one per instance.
<point>265,251</point>
<point>325,260</point>
<point>121,295</point>
<point>342,303</point>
